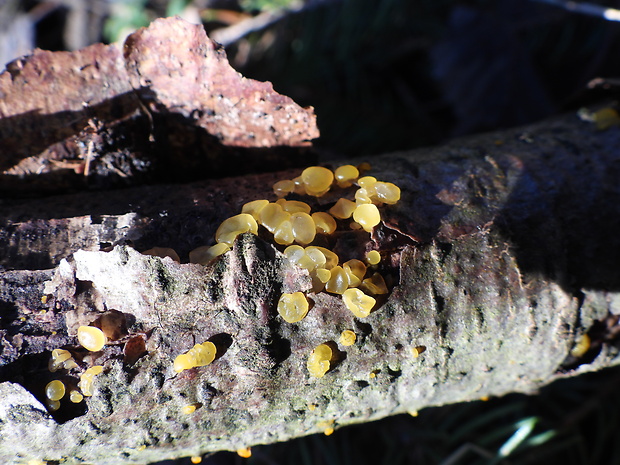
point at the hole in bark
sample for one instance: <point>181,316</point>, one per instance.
<point>222,341</point>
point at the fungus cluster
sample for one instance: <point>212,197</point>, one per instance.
<point>293,225</point>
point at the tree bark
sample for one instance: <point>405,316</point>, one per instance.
<point>503,251</point>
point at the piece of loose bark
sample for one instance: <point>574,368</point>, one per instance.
<point>165,103</point>
<point>503,250</point>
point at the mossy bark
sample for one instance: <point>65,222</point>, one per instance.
<point>503,251</point>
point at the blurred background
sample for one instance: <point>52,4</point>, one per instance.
<point>387,75</point>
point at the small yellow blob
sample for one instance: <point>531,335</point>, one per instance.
<point>386,192</point>
<point>331,259</point>
<point>235,225</point>
<point>254,207</point>
<point>204,254</point>
<point>188,409</point>
<point>272,215</point>
<point>196,459</point>
<point>61,359</point>
<point>245,452</point>
<point>198,356</point>
<point>582,345</point>
<point>606,118</point>
<point>355,270</point>
<point>312,407</point>
<point>343,209</point>
<point>87,378</point>
<point>347,337</point>
<point>413,413</point>
<point>484,398</point>
<point>163,252</point>
<point>367,215</point>
<point>366,182</point>
<point>417,351</point>
<point>44,299</point>
<point>91,338</point>
<point>294,206</point>
<point>345,175</point>
<point>324,222</point>
<point>317,180</point>
<point>293,307</point>
<point>76,397</point>
<point>375,284</point>
<point>283,234</point>
<point>338,281</point>
<point>141,447</point>
<point>284,187</point>
<point>359,303</point>
<point>319,360</point>
<point>373,257</point>
<point>303,228</point>
<point>52,405</point>
<point>328,431</point>
<point>55,390</point>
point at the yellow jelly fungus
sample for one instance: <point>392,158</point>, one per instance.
<point>331,259</point>
<point>582,345</point>
<point>196,459</point>
<point>294,206</point>
<point>413,413</point>
<point>373,257</point>
<point>319,360</point>
<point>386,192</point>
<point>417,351</point>
<point>366,182</point>
<point>343,209</point>
<point>188,409</point>
<point>367,215</point>
<point>272,215</point>
<point>282,188</point>
<point>245,452</point>
<point>198,356</point>
<point>235,225</point>
<point>355,270</point>
<point>328,431</point>
<point>204,254</point>
<point>317,180</point>
<point>52,405</point>
<point>338,281</point>
<point>91,338</point>
<point>293,307</point>
<point>283,234</point>
<point>359,303</point>
<point>163,252</point>
<point>61,359</point>
<point>484,398</point>
<point>76,397</point>
<point>323,275</point>
<point>362,196</point>
<point>347,337</point>
<point>324,222</point>
<point>55,390</point>
<point>312,407</point>
<point>86,379</point>
<point>303,227</point>
<point>375,284</point>
<point>316,257</point>
<point>44,299</point>
<point>254,207</point>
<point>345,175</point>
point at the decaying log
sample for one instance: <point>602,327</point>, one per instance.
<point>503,251</point>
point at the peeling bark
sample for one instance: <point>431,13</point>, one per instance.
<point>503,249</point>
<point>164,104</point>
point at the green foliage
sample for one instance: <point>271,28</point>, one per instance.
<point>125,17</point>
<point>263,5</point>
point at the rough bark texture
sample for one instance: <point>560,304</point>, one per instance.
<point>503,249</point>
